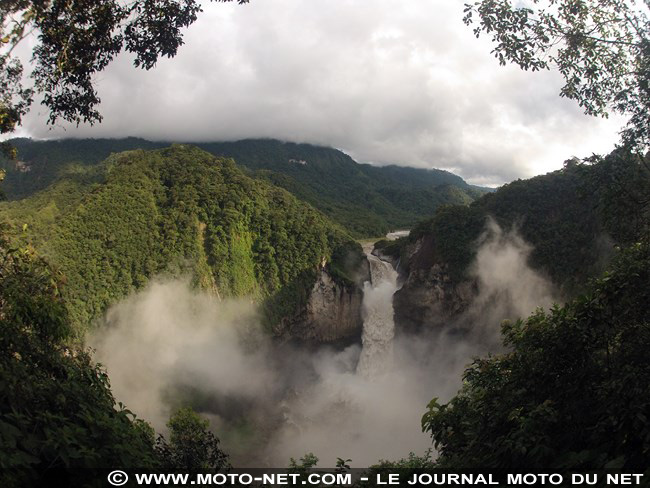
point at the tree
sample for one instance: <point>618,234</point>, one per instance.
<point>574,391</point>
<point>601,48</point>
<point>76,39</point>
<point>191,445</point>
<point>621,184</point>
<point>57,413</point>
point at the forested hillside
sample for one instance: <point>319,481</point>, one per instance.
<point>40,163</point>
<point>572,393</point>
<point>571,217</point>
<point>367,200</point>
<point>58,417</point>
<point>569,390</point>
<point>178,211</point>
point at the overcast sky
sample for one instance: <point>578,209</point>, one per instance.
<point>385,81</point>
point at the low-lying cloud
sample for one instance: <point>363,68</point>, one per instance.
<point>170,345</point>
<point>403,84</point>
<point>508,288</point>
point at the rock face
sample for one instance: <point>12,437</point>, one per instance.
<point>386,257</point>
<point>429,298</point>
<point>332,314</point>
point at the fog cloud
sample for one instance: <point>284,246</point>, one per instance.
<point>169,346</point>
<point>508,288</point>
<point>395,83</point>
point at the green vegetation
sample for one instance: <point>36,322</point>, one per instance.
<point>179,211</point>
<point>47,161</point>
<point>191,445</point>
<point>56,409</point>
<point>570,217</point>
<point>573,393</point>
<point>368,201</point>
<point>57,413</point>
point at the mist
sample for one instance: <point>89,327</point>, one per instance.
<point>170,345</point>
<point>508,288</point>
<point>172,335</point>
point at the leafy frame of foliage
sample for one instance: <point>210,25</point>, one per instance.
<point>601,48</point>
<point>76,39</point>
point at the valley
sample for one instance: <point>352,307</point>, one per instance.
<point>305,236</point>
<point>311,237</point>
<point>199,283</point>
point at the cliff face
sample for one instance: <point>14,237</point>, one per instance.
<point>429,298</point>
<point>177,212</point>
<point>386,257</point>
<point>332,314</point>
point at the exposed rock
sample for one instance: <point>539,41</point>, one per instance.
<point>429,298</point>
<point>385,257</point>
<point>332,314</point>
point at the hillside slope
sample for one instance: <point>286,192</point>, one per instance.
<point>571,218</point>
<point>180,211</point>
<point>367,200</point>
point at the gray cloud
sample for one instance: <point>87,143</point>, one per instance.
<point>405,84</point>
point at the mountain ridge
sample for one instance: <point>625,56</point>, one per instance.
<point>180,211</point>
<point>367,200</point>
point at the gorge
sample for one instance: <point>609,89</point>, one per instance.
<point>202,284</point>
<point>215,355</point>
<point>333,399</point>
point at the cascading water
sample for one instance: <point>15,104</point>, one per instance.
<point>342,403</point>
<point>378,321</point>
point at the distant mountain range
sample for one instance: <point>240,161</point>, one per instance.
<point>366,200</point>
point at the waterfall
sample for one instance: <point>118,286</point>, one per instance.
<point>378,323</point>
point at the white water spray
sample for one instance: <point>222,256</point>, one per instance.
<point>328,402</point>
<point>378,321</point>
